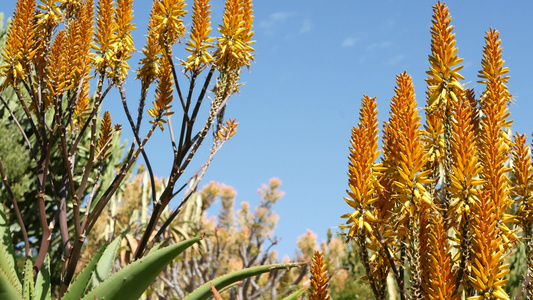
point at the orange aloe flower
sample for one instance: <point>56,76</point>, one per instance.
<point>149,69</point>
<point>106,135</point>
<point>492,237</point>
<point>362,179</point>
<point>522,181</point>
<point>443,79</point>
<point>319,278</point>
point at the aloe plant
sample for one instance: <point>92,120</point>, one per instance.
<point>50,53</point>
<point>92,282</point>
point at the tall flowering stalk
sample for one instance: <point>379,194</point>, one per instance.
<point>439,281</point>
<point>444,89</point>
<point>362,182</point>
<point>522,192</point>
<point>464,179</point>
<point>409,186</point>
<point>492,237</point>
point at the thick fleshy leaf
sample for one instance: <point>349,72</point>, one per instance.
<point>296,294</point>
<point>7,254</point>
<point>204,291</point>
<point>158,246</point>
<point>28,288</point>
<point>105,263</point>
<point>42,283</point>
<point>7,287</point>
<point>78,286</point>
<point>132,281</point>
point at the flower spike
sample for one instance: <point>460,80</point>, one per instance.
<point>200,40</point>
<point>319,278</point>
<point>163,94</point>
<point>20,45</point>
<point>443,77</point>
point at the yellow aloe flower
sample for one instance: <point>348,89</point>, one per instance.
<point>105,37</point>
<point>200,41</point>
<point>163,94</point>
<point>79,57</point>
<point>20,45</point>
<point>168,20</point>
<point>149,69</point>
<point>234,47</point>
<point>123,47</point>
<point>363,153</point>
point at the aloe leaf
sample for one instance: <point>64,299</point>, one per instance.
<point>7,286</point>
<point>42,283</point>
<point>204,291</point>
<point>78,286</point>
<point>7,253</point>
<point>105,264</point>
<point>28,288</point>
<point>296,294</point>
<point>134,279</point>
<point>158,246</point>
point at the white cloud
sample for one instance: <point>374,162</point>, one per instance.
<point>274,19</point>
<point>349,42</point>
<point>307,25</point>
<point>396,59</point>
<point>380,45</point>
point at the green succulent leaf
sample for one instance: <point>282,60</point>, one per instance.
<point>42,283</point>
<point>79,285</point>
<point>132,280</point>
<point>7,255</point>
<point>28,286</point>
<point>105,263</point>
<point>158,246</point>
<point>296,294</point>
<point>7,286</point>
<point>204,292</point>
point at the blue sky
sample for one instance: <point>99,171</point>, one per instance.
<point>314,61</point>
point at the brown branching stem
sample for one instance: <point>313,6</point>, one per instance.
<point>168,53</point>
<point>90,219</point>
<point>199,102</point>
<point>177,170</point>
<point>66,183</point>
<point>527,280</point>
<point>138,140</point>
<point>361,239</point>
<point>28,116</point>
<point>197,178</point>
<point>42,174</point>
<point>397,275</point>
<point>99,98</point>
<point>185,123</point>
